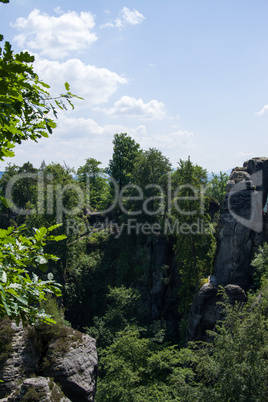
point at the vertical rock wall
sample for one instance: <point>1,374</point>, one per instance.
<point>243,227</point>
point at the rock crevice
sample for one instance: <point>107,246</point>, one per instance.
<point>70,361</point>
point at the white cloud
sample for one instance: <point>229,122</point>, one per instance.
<point>174,145</point>
<point>125,17</point>
<point>131,107</point>
<point>131,17</point>
<point>95,85</point>
<point>74,140</point>
<point>55,36</point>
<point>263,110</point>
<point>176,141</point>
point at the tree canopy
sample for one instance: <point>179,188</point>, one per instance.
<point>121,165</point>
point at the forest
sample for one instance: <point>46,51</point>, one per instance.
<point>119,254</point>
<point>132,289</point>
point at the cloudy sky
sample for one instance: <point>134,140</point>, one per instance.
<point>189,77</point>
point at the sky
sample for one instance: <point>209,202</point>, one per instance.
<point>188,77</point>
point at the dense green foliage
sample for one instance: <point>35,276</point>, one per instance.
<point>20,290</point>
<point>195,242</point>
<point>94,182</point>
<point>231,367</point>
<point>24,101</point>
<point>218,186</point>
<point>24,108</point>
<point>121,165</point>
<point>260,263</point>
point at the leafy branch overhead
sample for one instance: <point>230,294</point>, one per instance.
<point>25,110</point>
<point>20,291</point>
<point>25,103</point>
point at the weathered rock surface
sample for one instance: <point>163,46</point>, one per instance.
<point>70,359</point>
<point>22,362</point>
<point>37,389</point>
<point>205,311</point>
<point>242,228</point>
<point>74,367</point>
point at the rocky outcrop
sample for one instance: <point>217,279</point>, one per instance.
<point>21,362</point>
<point>39,389</point>
<point>203,313</point>
<point>72,362</point>
<point>36,361</point>
<point>205,310</point>
<point>243,227</point>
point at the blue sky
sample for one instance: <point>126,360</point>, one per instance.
<point>187,77</point>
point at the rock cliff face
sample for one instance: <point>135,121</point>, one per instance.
<point>241,222</point>
<point>36,366</point>
<point>242,228</point>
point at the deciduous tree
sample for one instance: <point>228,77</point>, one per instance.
<point>121,165</point>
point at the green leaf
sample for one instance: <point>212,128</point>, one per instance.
<point>40,233</point>
<point>6,202</point>
<point>22,299</point>
<point>40,259</point>
<point>50,276</point>
<point>67,86</point>
<point>44,84</point>
<point>53,227</point>
<point>6,307</point>
<point>57,238</point>
<point>3,276</point>
<point>43,267</point>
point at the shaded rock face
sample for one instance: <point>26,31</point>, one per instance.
<point>205,310</point>
<point>159,282</point>
<point>242,229</point>
<point>240,238</point>
<point>71,360</point>
<point>203,313</point>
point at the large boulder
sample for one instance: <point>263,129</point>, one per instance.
<point>39,389</point>
<point>206,311</point>
<point>35,361</point>
<point>72,361</point>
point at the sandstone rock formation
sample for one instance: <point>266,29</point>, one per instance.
<point>242,228</point>
<point>205,310</point>
<point>37,389</point>
<point>69,359</point>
